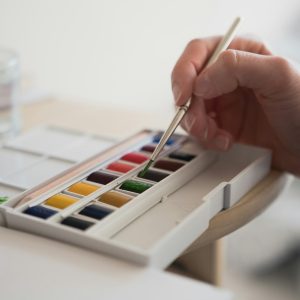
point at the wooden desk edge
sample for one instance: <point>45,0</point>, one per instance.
<point>250,206</point>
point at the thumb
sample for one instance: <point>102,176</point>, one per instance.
<point>269,76</point>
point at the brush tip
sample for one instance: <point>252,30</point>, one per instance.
<point>150,162</point>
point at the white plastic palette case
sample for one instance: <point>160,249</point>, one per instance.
<point>154,227</point>
<point>34,157</point>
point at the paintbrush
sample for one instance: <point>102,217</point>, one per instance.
<point>181,111</point>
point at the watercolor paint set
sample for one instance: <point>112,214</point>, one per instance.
<point>98,198</point>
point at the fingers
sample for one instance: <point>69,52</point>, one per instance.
<point>194,57</point>
<point>203,127</point>
<point>249,44</point>
<point>188,67</point>
<point>196,121</point>
<point>233,68</point>
<point>268,76</point>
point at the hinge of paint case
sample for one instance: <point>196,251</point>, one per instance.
<point>227,192</point>
<point>163,198</point>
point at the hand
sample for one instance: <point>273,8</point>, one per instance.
<point>248,96</point>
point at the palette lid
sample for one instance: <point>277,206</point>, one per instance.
<point>41,154</point>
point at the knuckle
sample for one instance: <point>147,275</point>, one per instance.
<point>229,58</point>
<point>264,49</point>
<point>194,42</point>
<point>281,64</point>
<point>284,68</point>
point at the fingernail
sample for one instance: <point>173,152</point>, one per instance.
<point>189,121</point>
<point>222,142</point>
<point>176,92</point>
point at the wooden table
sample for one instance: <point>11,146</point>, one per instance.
<point>203,259</point>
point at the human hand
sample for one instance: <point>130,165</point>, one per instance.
<point>248,96</point>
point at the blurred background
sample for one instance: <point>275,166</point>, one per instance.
<point>121,53</point>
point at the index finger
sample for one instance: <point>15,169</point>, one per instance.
<point>189,65</point>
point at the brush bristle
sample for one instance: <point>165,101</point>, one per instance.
<point>146,168</point>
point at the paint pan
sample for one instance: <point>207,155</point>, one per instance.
<point>40,212</point>
<point>148,148</point>
<point>120,167</point>
<point>60,201</point>
<point>95,211</point>
<point>135,157</point>
<point>77,223</point>
<point>114,198</point>
<point>182,156</point>
<point>167,164</point>
<point>135,186</point>
<point>101,177</point>
<point>154,175</point>
<point>82,188</point>
<point>169,142</point>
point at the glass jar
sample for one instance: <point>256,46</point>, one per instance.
<point>9,93</point>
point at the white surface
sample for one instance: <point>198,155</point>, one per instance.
<point>36,174</point>
<point>86,148</point>
<point>278,234</point>
<point>268,240</point>
<point>36,268</point>
<point>12,161</point>
<point>46,140</point>
<point>9,191</point>
<point>121,53</point>
<point>59,142</point>
<point>25,161</point>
